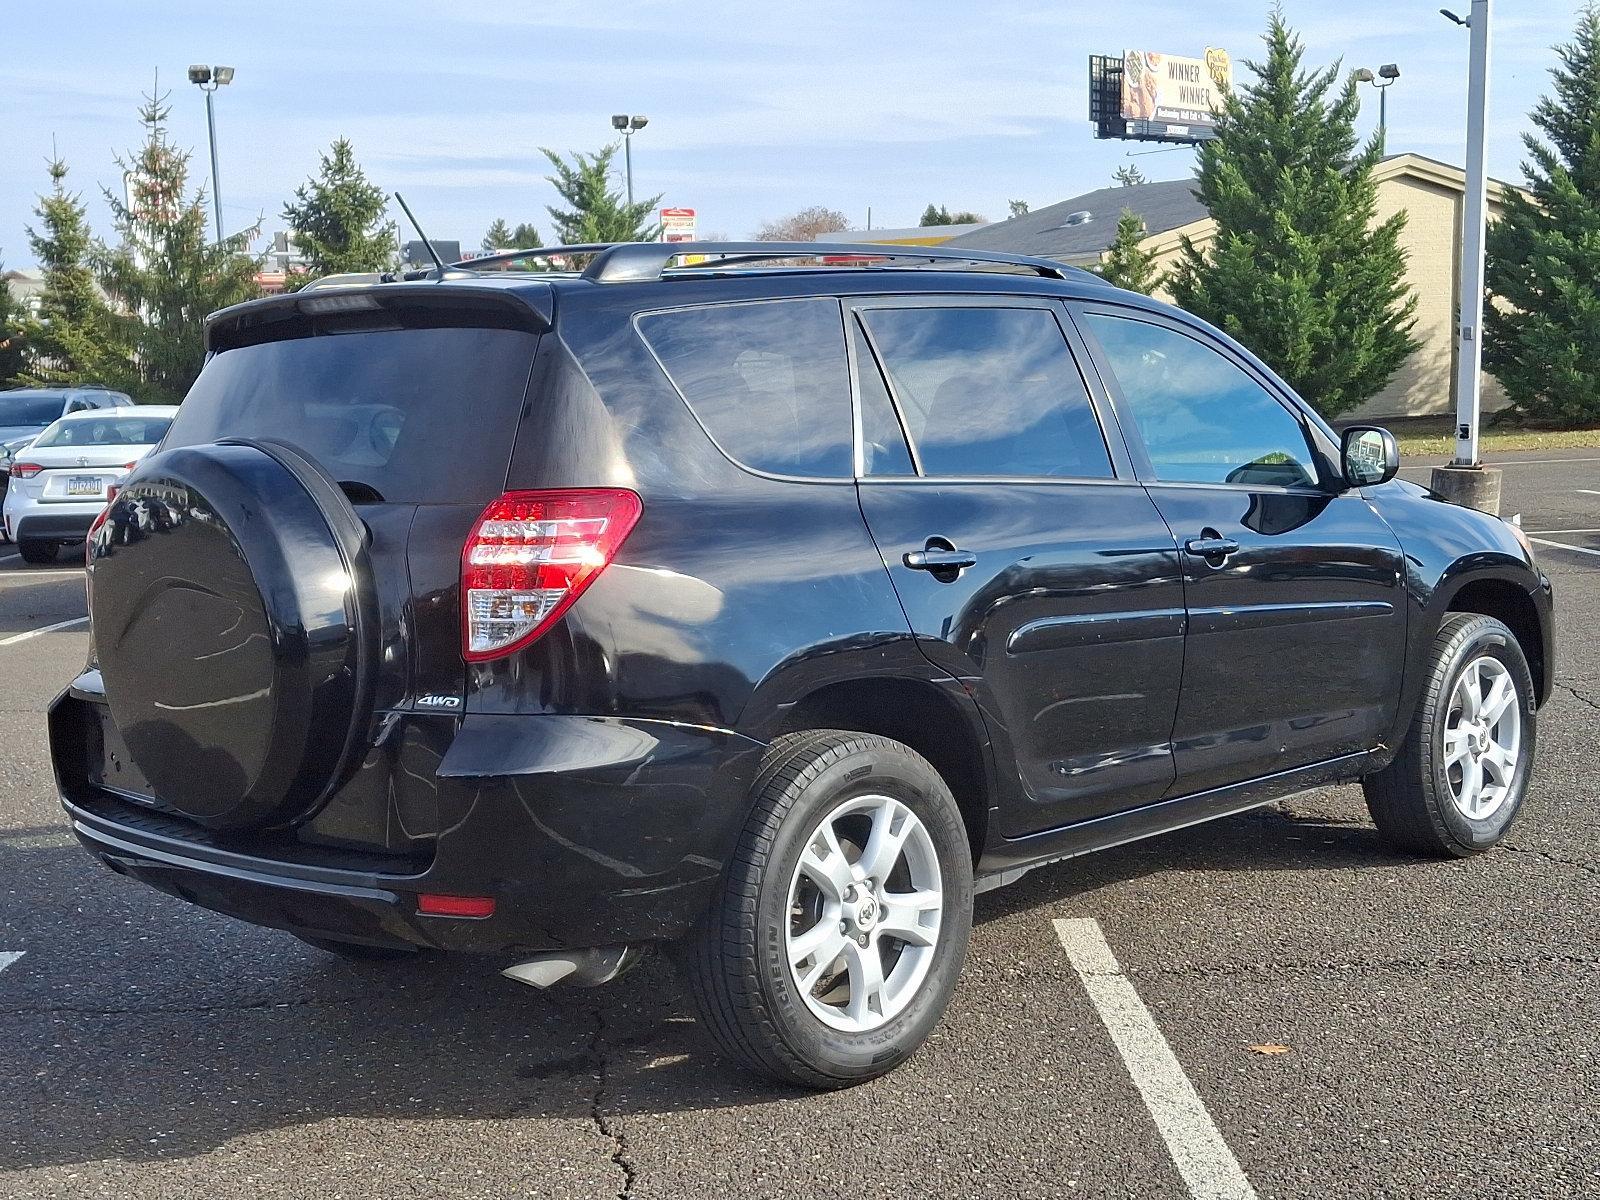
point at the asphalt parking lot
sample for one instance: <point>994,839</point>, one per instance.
<point>1432,1029</point>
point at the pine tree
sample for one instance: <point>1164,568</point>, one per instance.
<point>525,237</point>
<point>72,340</point>
<point>940,215</point>
<point>1300,270</point>
<point>1542,337</point>
<point>1018,208</point>
<point>1128,175</point>
<point>164,275</point>
<point>14,327</point>
<point>498,237</point>
<point>1127,264</point>
<point>597,213</point>
<point>337,218</point>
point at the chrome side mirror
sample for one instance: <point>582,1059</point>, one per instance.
<point>1369,455</point>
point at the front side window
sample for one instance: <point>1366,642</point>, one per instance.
<point>1203,418</point>
<point>769,381</point>
<point>989,391</point>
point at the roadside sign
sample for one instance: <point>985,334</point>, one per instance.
<point>677,224</point>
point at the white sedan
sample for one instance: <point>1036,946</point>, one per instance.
<point>59,483</point>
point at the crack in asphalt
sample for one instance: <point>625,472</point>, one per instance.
<point>1581,864</point>
<point>607,1127</point>
<point>1577,695</point>
<point>179,1010</point>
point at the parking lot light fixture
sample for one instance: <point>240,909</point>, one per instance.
<point>1383,79</point>
<point>208,80</point>
<point>628,124</point>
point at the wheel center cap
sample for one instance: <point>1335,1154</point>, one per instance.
<point>866,913</point>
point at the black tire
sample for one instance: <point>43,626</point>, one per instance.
<point>1411,800</point>
<point>736,964</point>
<point>356,951</point>
<point>37,552</point>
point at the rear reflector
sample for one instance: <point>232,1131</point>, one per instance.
<point>531,555</point>
<point>435,904</point>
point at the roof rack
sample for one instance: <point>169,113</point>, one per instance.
<point>641,262</point>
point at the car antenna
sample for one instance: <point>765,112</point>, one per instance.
<point>410,216</point>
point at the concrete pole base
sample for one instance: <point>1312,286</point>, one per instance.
<point>1470,487</point>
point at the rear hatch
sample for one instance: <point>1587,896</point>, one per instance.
<point>397,410</point>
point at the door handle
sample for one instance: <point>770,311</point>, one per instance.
<point>940,560</point>
<point>1211,547</point>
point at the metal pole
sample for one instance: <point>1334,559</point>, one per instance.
<point>1383,115</point>
<point>1469,331</point>
<point>216,184</point>
<point>627,157</point>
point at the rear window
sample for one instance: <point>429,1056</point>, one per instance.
<point>418,415</point>
<point>768,380</point>
<point>106,431</point>
<point>30,408</point>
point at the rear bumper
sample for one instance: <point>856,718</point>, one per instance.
<point>586,832</point>
<point>66,523</point>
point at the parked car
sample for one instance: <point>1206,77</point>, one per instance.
<point>24,413</point>
<point>764,613</point>
<point>60,481</point>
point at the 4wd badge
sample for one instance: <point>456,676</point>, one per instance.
<point>438,701</point>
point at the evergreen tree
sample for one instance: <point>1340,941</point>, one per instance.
<point>164,275</point>
<point>1542,338</point>
<point>596,212</point>
<point>1127,264</point>
<point>940,215</point>
<point>13,333</point>
<point>498,237</point>
<point>1128,175</point>
<point>337,218</point>
<point>1300,270</point>
<point>72,340</point>
<point>1018,208</point>
<point>525,237</point>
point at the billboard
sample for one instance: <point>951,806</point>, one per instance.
<point>1148,96</point>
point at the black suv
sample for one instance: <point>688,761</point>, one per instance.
<point>768,611</point>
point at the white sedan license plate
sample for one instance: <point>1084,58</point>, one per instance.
<point>84,485</point>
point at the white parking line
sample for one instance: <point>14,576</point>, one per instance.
<point>1548,532</point>
<point>1535,540</point>
<point>7,957</point>
<point>1203,1159</point>
<point>1587,491</point>
<point>33,633</point>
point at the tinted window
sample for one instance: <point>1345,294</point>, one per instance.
<point>883,442</point>
<point>29,408</point>
<point>131,430</point>
<point>419,415</point>
<point>989,391</point>
<point>1203,419</point>
<point>769,381</point>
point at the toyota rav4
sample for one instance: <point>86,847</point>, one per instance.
<point>763,611</point>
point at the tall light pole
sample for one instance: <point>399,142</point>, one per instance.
<point>627,126</point>
<point>209,79</point>
<point>1465,480</point>
<point>1389,72</point>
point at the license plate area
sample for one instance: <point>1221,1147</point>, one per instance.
<point>85,485</point>
<point>109,765</point>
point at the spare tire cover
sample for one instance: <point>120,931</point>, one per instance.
<point>232,614</point>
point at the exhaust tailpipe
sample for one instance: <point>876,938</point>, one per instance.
<point>581,968</point>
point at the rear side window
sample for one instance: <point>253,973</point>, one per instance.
<point>418,415</point>
<point>989,391</point>
<point>129,430</point>
<point>769,381</point>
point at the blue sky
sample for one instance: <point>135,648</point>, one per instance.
<point>755,110</point>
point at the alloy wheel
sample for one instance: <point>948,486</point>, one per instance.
<point>866,904</point>
<point>1482,738</point>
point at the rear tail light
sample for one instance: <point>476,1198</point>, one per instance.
<point>530,555</point>
<point>25,470</point>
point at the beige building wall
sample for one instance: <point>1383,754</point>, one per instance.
<point>1433,196</point>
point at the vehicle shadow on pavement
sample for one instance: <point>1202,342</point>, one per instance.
<point>138,1028</point>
